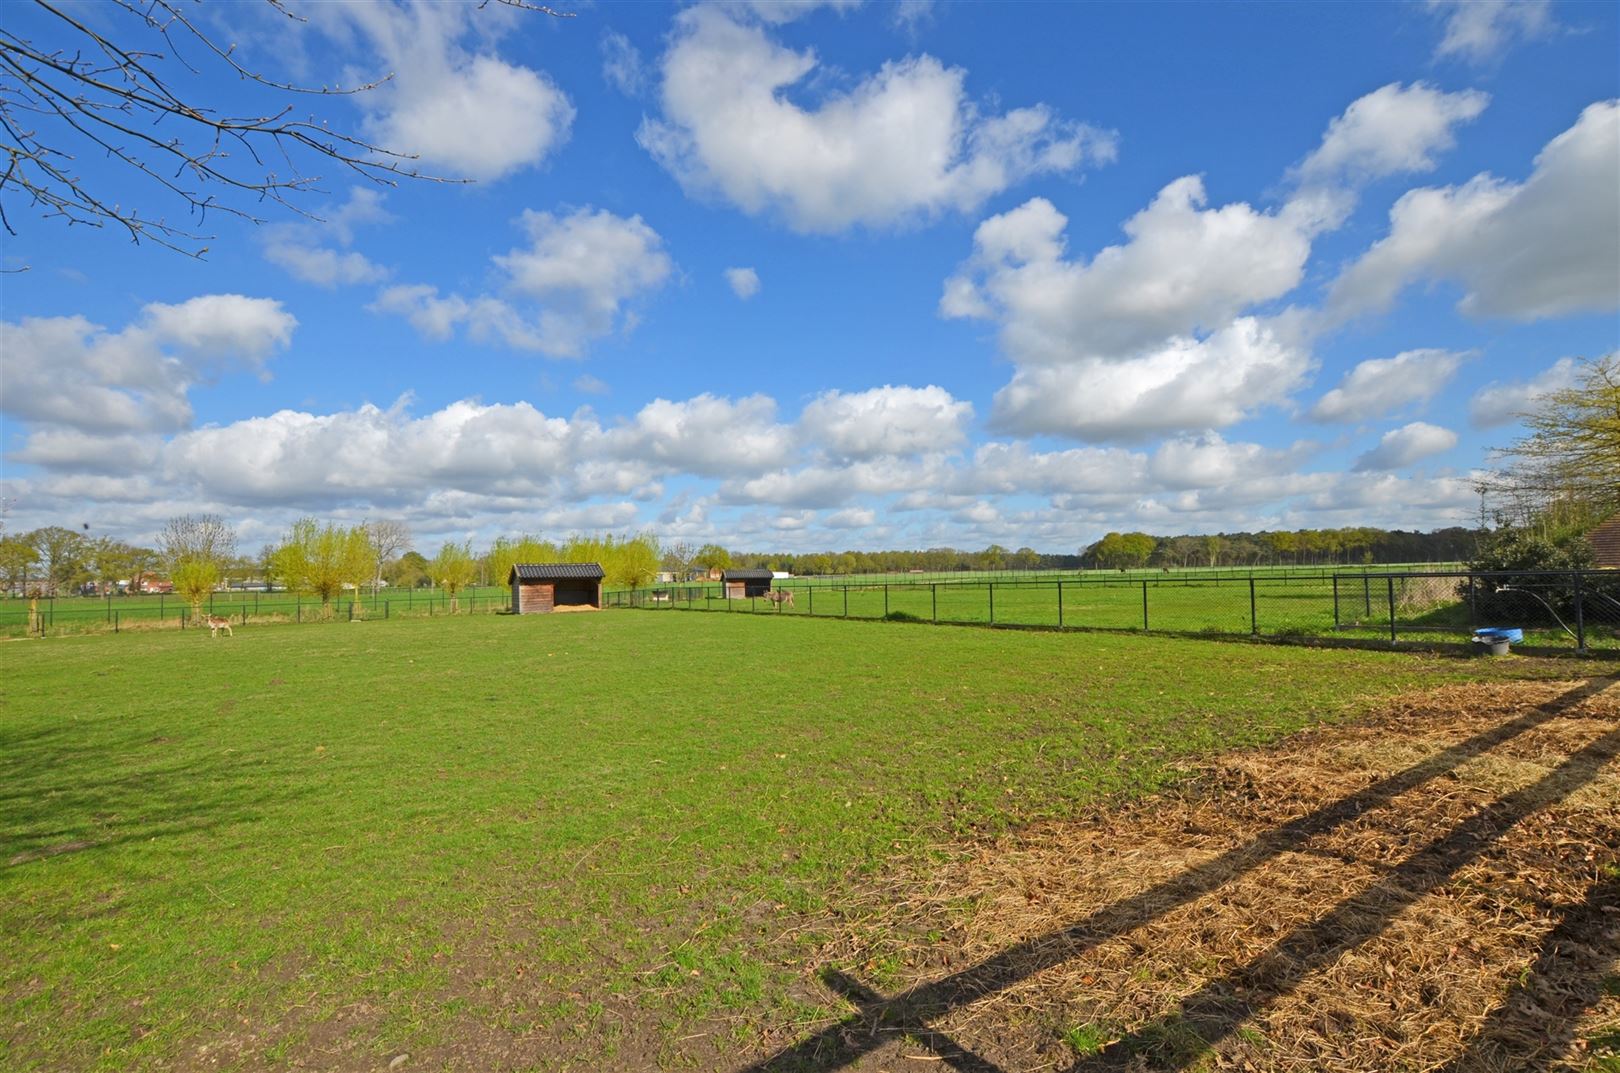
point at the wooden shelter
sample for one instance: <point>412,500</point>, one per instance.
<point>1605,541</point>
<point>538,588</point>
<point>741,584</point>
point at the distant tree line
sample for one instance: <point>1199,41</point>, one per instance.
<point>1297,547</point>
<point>1303,547</point>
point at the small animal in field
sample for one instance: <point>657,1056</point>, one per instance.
<point>779,597</point>
<point>215,624</point>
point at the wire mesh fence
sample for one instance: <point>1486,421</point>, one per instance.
<point>1578,610</point>
<point>77,614</point>
<point>1574,610</point>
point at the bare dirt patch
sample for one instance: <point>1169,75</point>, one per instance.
<point>1434,888</point>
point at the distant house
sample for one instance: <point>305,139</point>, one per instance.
<point>741,584</point>
<point>1605,541</point>
<point>539,588</point>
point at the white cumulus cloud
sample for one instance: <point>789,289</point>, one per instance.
<point>888,420</point>
<point>906,143</point>
<point>568,287</point>
<point>1185,383</point>
<point>459,109</point>
<point>1381,386</point>
<point>1480,30</point>
<point>1498,403</point>
<point>1546,247</point>
<point>1405,445</point>
<point>71,372</point>
<point>744,282</point>
<point>1186,268</point>
<point>1393,129</point>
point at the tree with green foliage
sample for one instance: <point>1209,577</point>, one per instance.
<point>712,557</point>
<point>1124,551</point>
<point>359,562</point>
<point>453,569</point>
<point>194,548</point>
<point>316,560</point>
<point>18,554</point>
<point>64,555</point>
<point>628,562</point>
<point>409,571</point>
<point>506,552</point>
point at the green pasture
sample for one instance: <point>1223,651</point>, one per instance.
<point>558,835</point>
<point>1349,606</point>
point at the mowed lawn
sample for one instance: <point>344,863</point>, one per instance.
<point>583,832</point>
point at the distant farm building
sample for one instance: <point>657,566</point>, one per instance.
<point>741,584</point>
<point>1605,540</point>
<point>538,588</point>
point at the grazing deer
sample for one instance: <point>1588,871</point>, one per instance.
<point>215,624</point>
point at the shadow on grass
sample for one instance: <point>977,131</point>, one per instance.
<point>72,789</point>
<point>1219,1008</point>
<point>1567,978</point>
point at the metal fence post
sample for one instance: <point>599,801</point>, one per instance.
<point>1335,601</point>
<point>1144,607</point>
<point>846,601</point>
<point>933,593</point>
<point>1391,580</point>
<point>1060,605</point>
<point>1366,592</point>
<point>885,599</point>
<point>1254,619</point>
<point>992,603</point>
<point>1580,615</point>
<point>115,622</point>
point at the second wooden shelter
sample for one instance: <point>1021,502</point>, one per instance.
<point>741,584</point>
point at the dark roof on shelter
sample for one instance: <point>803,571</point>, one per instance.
<point>556,572</point>
<point>747,575</point>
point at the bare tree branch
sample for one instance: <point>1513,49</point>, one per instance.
<point>112,98</point>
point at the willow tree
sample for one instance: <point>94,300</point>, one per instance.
<point>453,569</point>
<point>194,549</point>
<point>360,559</point>
<point>316,560</point>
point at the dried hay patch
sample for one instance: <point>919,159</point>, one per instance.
<point>1467,918</point>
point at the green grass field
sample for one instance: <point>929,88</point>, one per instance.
<point>594,834</point>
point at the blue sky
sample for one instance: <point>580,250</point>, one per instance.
<point>806,276</point>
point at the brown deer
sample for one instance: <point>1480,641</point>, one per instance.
<point>215,624</point>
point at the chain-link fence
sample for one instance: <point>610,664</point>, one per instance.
<point>1578,610</point>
